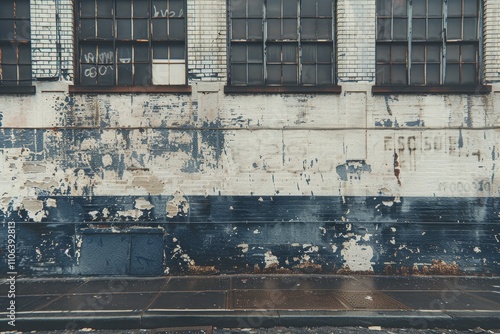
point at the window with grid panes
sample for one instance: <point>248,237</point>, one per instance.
<point>428,42</point>
<point>282,42</point>
<point>15,42</point>
<point>131,42</point>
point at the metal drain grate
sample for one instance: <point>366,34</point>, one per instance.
<point>286,300</point>
<point>370,300</point>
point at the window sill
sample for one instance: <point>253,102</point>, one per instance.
<point>282,89</point>
<point>481,89</point>
<point>177,89</point>
<point>29,90</point>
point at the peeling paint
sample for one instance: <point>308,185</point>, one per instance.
<point>178,206</point>
<point>357,257</point>
<point>270,259</point>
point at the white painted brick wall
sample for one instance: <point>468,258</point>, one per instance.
<point>491,40</point>
<point>356,40</point>
<point>52,38</point>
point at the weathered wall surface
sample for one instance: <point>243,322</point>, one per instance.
<point>396,184</point>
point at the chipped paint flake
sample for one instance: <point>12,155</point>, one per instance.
<point>178,206</point>
<point>357,257</point>
<point>244,247</point>
<point>143,204</point>
<point>270,259</point>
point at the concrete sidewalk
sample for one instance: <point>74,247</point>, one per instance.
<point>242,301</point>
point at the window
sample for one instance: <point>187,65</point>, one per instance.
<point>131,42</point>
<point>15,46</point>
<point>282,42</point>
<point>429,42</point>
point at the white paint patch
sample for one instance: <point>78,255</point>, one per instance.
<point>107,160</point>
<point>244,247</point>
<point>388,203</point>
<point>270,259</point>
<point>477,250</point>
<point>357,257</point>
<point>256,231</point>
<point>323,230</point>
<point>295,245</point>
<point>94,214</point>
<point>367,237</point>
<point>393,229</point>
<point>51,203</point>
<point>178,206</point>
<point>393,241</point>
<point>133,214</point>
<point>312,249</point>
<point>334,248</point>
<point>143,204</point>
<point>34,207</point>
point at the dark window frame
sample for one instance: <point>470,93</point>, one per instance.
<point>268,47</point>
<point>129,56</point>
<point>15,48</point>
<point>429,58</point>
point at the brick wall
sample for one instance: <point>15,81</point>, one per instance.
<point>491,32</point>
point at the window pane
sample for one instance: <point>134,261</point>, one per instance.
<point>274,29</point>
<point>87,28</point>
<point>255,54</point>
<point>308,8</point>
<point>434,53</point>
<point>22,9</point>
<point>88,75</point>
<point>124,54</point>
<point>435,8</point>
<point>469,53</point>
<point>23,30</point>
<point>255,74</point>
<point>9,55</point>
<point>141,30</point>
<point>105,55</point>
<point>308,28</point>
<point>471,7</point>
<point>105,28</point>
<point>435,29</point>
<point>239,74</point>
<point>384,7</point>
<point>384,29</point>
<point>141,53</point>
<point>383,53</point>
<point>104,8</point>
<point>400,29</point>
<point>239,29</point>
<point>124,28</point>
<point>290,74</point>
<point>417,75</point>
<point>433,74</point>
<point>6,9</point>
<point>274,74</point>
<point>470,29</point>
<point>160,28</point>
<point>238,53</point>
<point>383,74</point>
<point>238,8</point>
<point>255,29</point>
<point>125,74</point>
<point>273,8</point>
<point>418,9</point>
<point>324,53</point>
<point>399,7</point>
<point>308,53</point>
<point>399,76</point>
<point>398,54</point>
<point>255,8</point>
<point>176,8</point>
<point>452,74</point>
<point>324,74</point>
<point>309,74</point>
<point>454,7</point>
<point>7,30</point>
<point>176,29</point>
<point>274,53</point>
<point>25,74</point>
<point>289,53</point>
<point>160,51</point>
<point>142,74</point>
<point>419,29</point>
<point>324,27</point>
<point>177,51</point>
<point>289,8</point>
<point>88,54</point>
<point>290,28</point>
<point>454,28</point>
<point>453,53</point>
<point>418,54</point>
<point>24,54</point>
<point>325,8</point>
<point>469,74</point>
<point>123,8</point>
<point>106,75</point>
<point>141,8</point>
